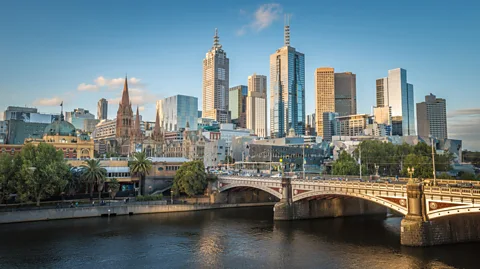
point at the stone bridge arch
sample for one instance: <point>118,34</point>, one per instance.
<point>398,204</point>
<point>273,191</point>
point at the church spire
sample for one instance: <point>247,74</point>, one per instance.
<point>156,131</point>
<point>137,123</point>
<point>125,98</point>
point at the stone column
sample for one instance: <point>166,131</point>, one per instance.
<point>415,225</point>
<point>283,210</point>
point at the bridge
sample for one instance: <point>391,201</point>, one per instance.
<point>433,215</point>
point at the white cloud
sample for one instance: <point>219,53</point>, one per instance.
<point>262,18</point>
<point>87,87</point>
<point>110,83</point>
<point>141,108</point>
<point>54,101</point>
<point>475,112</point>
<point>137,98</point>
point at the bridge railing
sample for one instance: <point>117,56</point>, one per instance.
<point>451,191</point>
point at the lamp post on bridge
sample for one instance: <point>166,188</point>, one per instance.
<point>410,171</point>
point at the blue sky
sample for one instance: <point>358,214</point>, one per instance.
<point>75,51</point>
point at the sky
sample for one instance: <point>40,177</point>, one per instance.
<point>80,51</point>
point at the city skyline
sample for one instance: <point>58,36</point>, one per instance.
<point>82,65</point>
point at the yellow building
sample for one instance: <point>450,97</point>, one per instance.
<point>62,136</point>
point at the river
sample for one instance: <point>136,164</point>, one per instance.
<point>227,238</point>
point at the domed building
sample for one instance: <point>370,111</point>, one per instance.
<point>62,135</point>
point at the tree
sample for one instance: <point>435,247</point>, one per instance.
<point>443,162</point>
<point>229,159</point>
<point>345,165</point>
<point>445,176</point>
<point>8,166</point>
<point>93,173</point>
<point>190,179</point>
<point>421,164</point>
<point>141,166</point>
<point>43,171</point>
<point>113,187</point>
<point>74,181</point>
<point>467,176</point>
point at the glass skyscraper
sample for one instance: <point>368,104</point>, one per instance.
<point>287,90</point>
<point>394,92</point>
<point>175,111</point>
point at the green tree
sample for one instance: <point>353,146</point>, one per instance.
<point>345,165</point>
<point>141,166</point>
<point>190,179</point>
<point>113,187</point>
<point>94,174</point>
<point>229,159</point>
<point>421,164</point>
<point>8,167</point>
<point>443,162</point>
<point>43,171</point>
<point>467,176</point>
<point>444,176</point>
<point>74,181</point>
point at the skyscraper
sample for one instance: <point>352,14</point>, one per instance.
<point>287,89</point>
<point>257,105</point>
<point>176,111</point>
<point>334,92</point>
<point>345,93</point>
<point>237,103</point>
<point>324,95</point>
<point>216,83</point>
<point>432,117</point>
<point>394,91</point>
<point>102,109</point>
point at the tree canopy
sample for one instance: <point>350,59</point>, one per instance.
<point>94,174</point>
<point>392,160</point>
<point>190,179</point>
<point>42,173</point>
<point>141,166</point>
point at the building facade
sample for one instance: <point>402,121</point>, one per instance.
<point>237,103</point>
<point>256,112</point>
<point>329,125</point>
<point>176,111</point>
<point>216,83</point>
<point>432,117</point>
<point>81,118</point>
<point>324,94</point>
<point>287,90</point>
<point>394,91</point>
<point>345,93</point>
<point>27,114</point>
<point>214,153</point>
<point>102,109</point>
<point>353,125</point>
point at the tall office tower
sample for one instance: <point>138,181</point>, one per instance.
<point>324,95</point>
<point>215,83</point>
<point>394,91</point>
<point>287,89</point>
<point>383,115</point>
<point>102,109</point>
<point>237,103</point>
<point>345,93</point>
<point>257,105</point>
<point>311,125</point>
<point>432,117</point>
<point>329,125</point>
<point>175,112</point>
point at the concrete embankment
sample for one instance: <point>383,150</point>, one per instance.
<point>117,210</point>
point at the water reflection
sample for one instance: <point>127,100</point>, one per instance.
<point>230,238</point>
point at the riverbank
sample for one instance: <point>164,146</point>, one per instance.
<point>110,211</point>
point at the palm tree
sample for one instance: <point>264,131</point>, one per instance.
<point>140,165</point>
<point>94,174</point>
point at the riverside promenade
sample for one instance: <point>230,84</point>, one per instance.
<point>132,208</point>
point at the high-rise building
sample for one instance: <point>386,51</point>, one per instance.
<point>78,116</point>
<point>334,92</point>
<point>311,125</point>
<point>383,117</point>
<point>287,89</point>
<point>176,111</point>
<point>395,92</point>
<point>216,83</point>
<point>329,125</point>
<point>257,105</point>
<point>432,117</point>
<point>345,93</point>
<point>102,109</point>
<point>353,125</point>
<point>237,103</point>
<point>324,94</point>
<point>28,114</point>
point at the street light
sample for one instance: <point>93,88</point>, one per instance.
<point>410,171</point>
<point>171,197</point>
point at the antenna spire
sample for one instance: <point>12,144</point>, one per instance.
<point>216,40</point>
<point>287,30</point>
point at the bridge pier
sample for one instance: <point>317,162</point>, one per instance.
<point>284,209</point>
